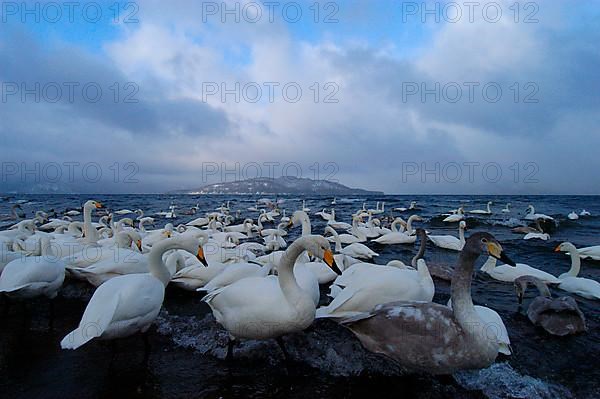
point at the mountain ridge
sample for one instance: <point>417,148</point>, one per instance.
<point>279,185</point>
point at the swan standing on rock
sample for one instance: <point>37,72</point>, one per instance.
<point>559,316</point>
<point>365,287</point>
<point>429,337</point>
<point>451,242</point>
<point>569,281</point>
<point>269,307</point>
<point>129,304</point>
<point>33,276</point>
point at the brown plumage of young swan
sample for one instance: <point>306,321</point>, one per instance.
<point>558,316</point>
<point>429,337</point>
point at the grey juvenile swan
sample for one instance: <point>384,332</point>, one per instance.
<point>429,337</point>
<point>558,316</point>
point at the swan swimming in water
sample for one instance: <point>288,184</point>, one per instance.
<point>531,215</point>
<point>451,242</point>
<point>457,217</point>
<point>508,273</point>
<point>569,281</point>
<point>429,337</point>
<point>487,211</point>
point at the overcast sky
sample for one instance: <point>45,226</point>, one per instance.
<point>391,98</point>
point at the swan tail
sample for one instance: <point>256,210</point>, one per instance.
<point>324,313</point>
<point>77,338</point>
<point>96,319</point>
<point>211,295</point>
<point>10,290</point>
<point>353,317</point>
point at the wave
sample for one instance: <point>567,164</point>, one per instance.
<point>500,380</point>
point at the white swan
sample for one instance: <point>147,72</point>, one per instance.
<point>531,215</point>
<point>34,276</point>
<point>573,216</point>
<point>413,205</point>
<point>397,237</point>
<point>354,250</point>
<point>338,225</point>
<point>302,217</point>
<point>537,236</point>
<point>383,284</point>
<point>569,281</point>
<point>236,272</point>
<point>120,248</point>
<point>457,217</point>
<point>507,208</point>
<point>494,324</point>
<point>590,252</point>
<point>324,215</point>
<point>451,242</point>
<point>197,276</point>
<point>304,207</point>
<point>487,211</point>
<point>263,308</point>
<point>509,274</point>
<point>129,304</point>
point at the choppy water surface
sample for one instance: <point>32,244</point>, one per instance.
<point>188,346</point>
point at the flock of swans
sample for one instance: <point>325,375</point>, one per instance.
<point>259,286</point>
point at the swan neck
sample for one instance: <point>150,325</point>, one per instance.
<point>421,252</point>
<point>462,303</point>
<point>489,264</point>
<point>575,263</point>
<point>91,235</point>
<point>287,280</point>
<point>156,265</point>
<point>338,241</point>
<point>306,228</point>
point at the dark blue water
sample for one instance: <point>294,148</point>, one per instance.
<point>32,364</point>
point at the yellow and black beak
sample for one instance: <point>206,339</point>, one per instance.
<point>167,234</point>
<point>330,261</point>
<point>138,244</point>
<point>495,250</point>
<point>200,256</point>
<point>98,205</point>
<point>289,225</point>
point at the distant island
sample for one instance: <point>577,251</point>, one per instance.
<point>279,185</point>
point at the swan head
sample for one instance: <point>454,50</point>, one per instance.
<point>321,248</point>
<point>566,247</point>
<point>485,243</point>
<point>416,218</point>
<point>91,204</point>
<point>463,225</point>
<point>522,282</point>
<point>191,245</point>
